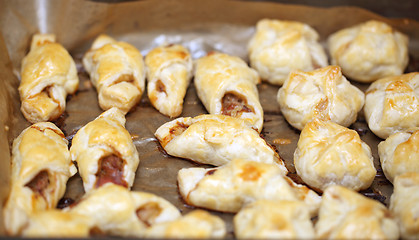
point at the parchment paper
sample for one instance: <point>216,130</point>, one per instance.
<point>201,26</point>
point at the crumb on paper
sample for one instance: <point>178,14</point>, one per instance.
<point>282,141</point>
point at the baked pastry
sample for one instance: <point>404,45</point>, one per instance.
<point>404,204</point>
<point>226,85</point>
<point>329,154</point>
<point>117,71</point>
<point>278,47</point>
<point>169,71</point>
<point>229,187</point>
<point>195,225</point>
<point>41,166</point>
<point>392,104</point>
<point>116,211</point>
<point>216,140</point>
<point>104,151</point>
<point>346,214</point>
<point>323,93</point>
<point>48,74</point>
<point>369,51</point>
<point>399,153</point>
<point>265,219</point>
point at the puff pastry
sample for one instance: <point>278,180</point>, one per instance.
<point>216,140</point>
<point>169,71</point>
<point>399,153</point>
<point>278,47</point>
<point>369,51</point>
<point>329,154</point>
<point>41,166</point>
<point>229,187</point>
<point>226,85</point>
<point>104,151</point>
<point>196,225</point>
<point>117,71</point>
<point>404,204</point>
<point>48,74</point>
<point>392,104</point>
<point>323,93</point>
<point>346,214</point>
<point>266,219</point>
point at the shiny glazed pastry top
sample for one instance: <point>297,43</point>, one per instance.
<point>278,47</point>
<point>369,51</point>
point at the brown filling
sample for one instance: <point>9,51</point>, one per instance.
<point>160,87</point>
<point>176,130</point>
<point>148,212</point>
<point>111,170</point>
<point>234,104</point>
<point>39,183</point>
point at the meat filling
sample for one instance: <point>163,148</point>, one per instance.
<point>160,87</point>
<point>111,169</point>
<point>148,212</point>
<point>39,183</point>
<point>233,105</point>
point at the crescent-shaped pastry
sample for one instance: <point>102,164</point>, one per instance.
<point>399,153</point>
<point>41,166</point>
<point>197,224</point>
<point>279,47</point>
<point>226,85</point>
<point>369,51</point>
<point>392,104</point>
<point>229,187</point>
<point>104,151</point>
<point>404,204</point>
<point>329,154</point>
<point>346,214</point>
<point>48,74</point>
<point>117,211</point>
<point>169,71</point>
<point>267,219</point>
<point>117,71</point>
<point>323,93</point>
<point>216,140</point>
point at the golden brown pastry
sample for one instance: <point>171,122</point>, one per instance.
<point>278,47</point>
<point>346,214</point>
<point>323,93</point>
<point>392,104</point>
<point>216,140</point>
<point>169,71</point>
<point>117,71</point>
<point>104,151</point>
<point>226,85</point>
<point>399,153</point>
<point>369,51</point>
<point>266,219</point>
<point>329,154</point>
<point>41,166</point>
<point>196,225</point>
<point>48,74</point>
<point>404,204</point>
<point>229,187</point>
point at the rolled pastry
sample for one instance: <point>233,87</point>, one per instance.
<point>404,204</point>
<point>323,93</point>
<point>169,71</point>
<point>194,225</point>
<point>392,104</point>
<point>116,211</point>
<point>346,214</point>
<point>329,154</point>
<point>399,153</point>
<point>41,166</point>
<point>117,71</point>
<point>216,140</point>
<point>267,219</point>
<point>278,47</point>
<point>369,51</point>
<point>104,151</point>
<point>48,74</point>
<point>229,187</point>
<point>226,85</point>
